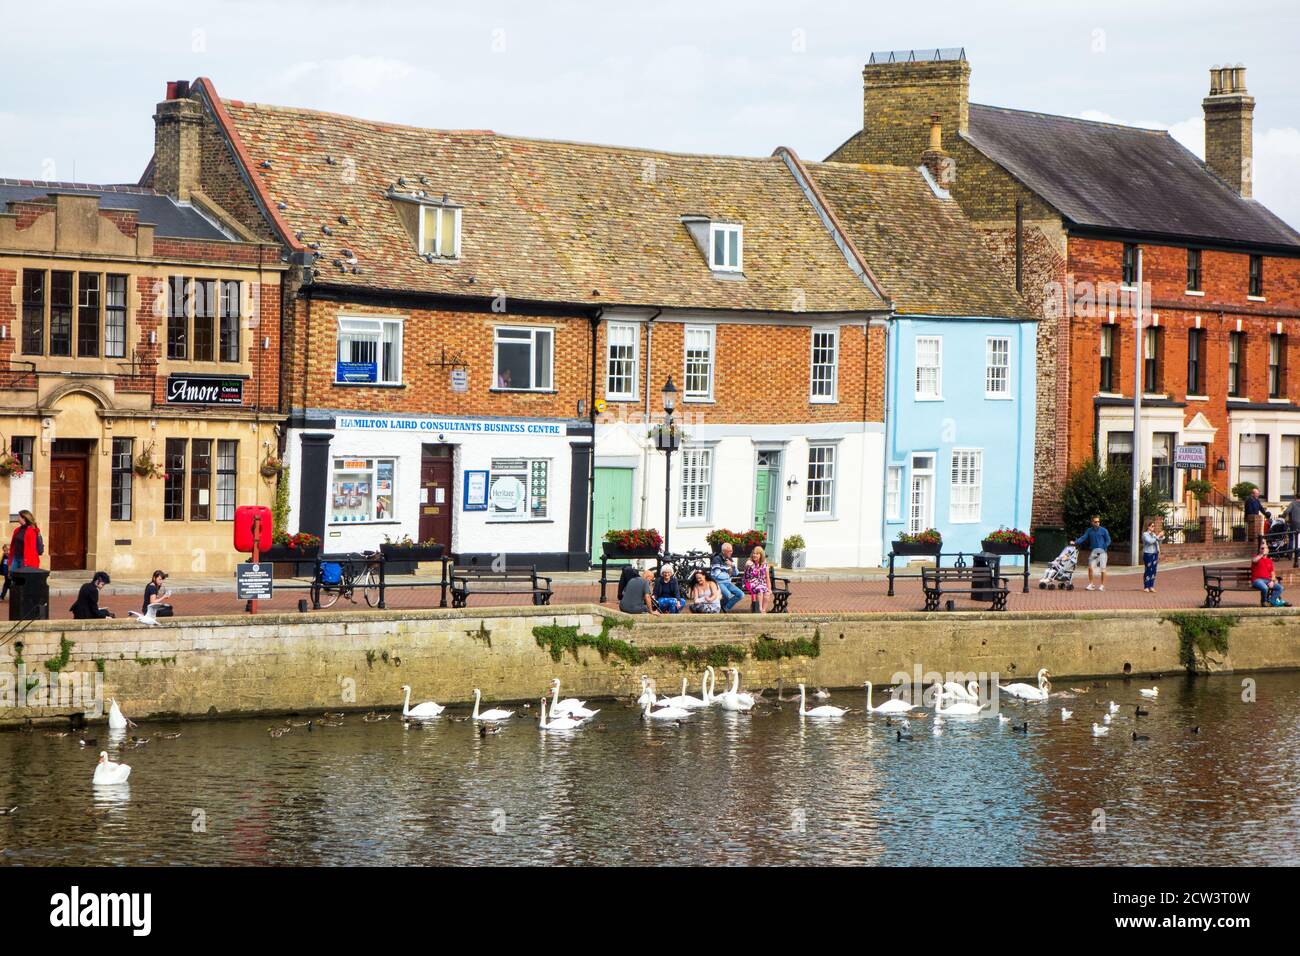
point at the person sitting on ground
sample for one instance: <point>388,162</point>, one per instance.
<point>706,596</point>
<point>1264,577</point>
<point>668,591</point>
<point>155,595</point>
<point>758,579</point>
<point>722,570</point>
<point>86,607</point>
<point>638,595</point>
<point>629,573</point>
<point>1095,541</point>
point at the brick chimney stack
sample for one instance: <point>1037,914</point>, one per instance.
<point>901,91</point>
<point>178,122</point>
<point>934,158</point>
<point>1229,120</point>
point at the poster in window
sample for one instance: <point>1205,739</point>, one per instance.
<point>475,497</point>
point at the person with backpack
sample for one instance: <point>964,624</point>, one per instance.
<point>26,545</point>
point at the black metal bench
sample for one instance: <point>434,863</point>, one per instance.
<point>1218,580</point>
<point>506,581</point>
<point>780,588</point>
<point>978,584</point>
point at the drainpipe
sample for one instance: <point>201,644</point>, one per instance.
<point>591,461</point>
<point>887,442</point>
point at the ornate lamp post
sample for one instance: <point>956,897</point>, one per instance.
<point>667,440</point>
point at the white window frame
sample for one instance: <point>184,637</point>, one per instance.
<point>966,460</point>
<point>894,493</point>
<point>622,328</point>
<point>700,499</point>
<point>711,331</point>
<point>918,471</point>
<point>379,323</point>
<point>834,365</point>
<point>937,394</point>
<point>532,357</point>
<point>829,465</point>
<point>727,229</point>
<point>437,210</point>
<point>991,389</point>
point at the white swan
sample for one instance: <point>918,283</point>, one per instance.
<point>1152,693</point>
<point>1099,731</point>
<point>1028,691</point>
<point>954,690</point>
<point>893,706</point>
<point>1114,707</point>
<point>495,714</point>
<point>570,706</point>
<point>116,719</point>
<point>1066,714</point>
<point>685,700</point>
<point>647,692</point>
<point>561,722</point>
<point>664,713</point>
<point>108,773</point>
<point>733,699</point>
<point>825,710</point>
<point>961,708</point>
<point>424,711</point>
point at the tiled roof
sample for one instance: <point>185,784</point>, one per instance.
<point>543,220</point>
<point>1121,177</point>
<point>925,253</point>
<point>170,218</point>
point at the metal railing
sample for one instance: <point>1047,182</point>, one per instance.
<point>1216,518</point>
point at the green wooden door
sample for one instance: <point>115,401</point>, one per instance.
<point>767,487</point>
<point>613,505</point>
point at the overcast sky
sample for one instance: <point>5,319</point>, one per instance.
<point>78,81</point>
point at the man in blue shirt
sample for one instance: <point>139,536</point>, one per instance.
<point>1095,541</point>
<point>1255,513</point>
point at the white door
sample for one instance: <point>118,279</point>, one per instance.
<point>918,518</point>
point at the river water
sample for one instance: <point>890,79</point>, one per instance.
<point>723,788</point>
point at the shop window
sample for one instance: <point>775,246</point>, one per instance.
<point>369,351</point>
<point>228,346</point>
<point>201,479</point>
<point>362,490</point>
<point>699,362</point>
<point>621,360</point>
<point>821,480</point>
<point>61,313</point>
<point>523,358</point>
<point>697,479</point>
<point>1119,450</point>
<point>174,480</point>
<point>122,479</point>
<point>825,364</point>
<point>1252,462</point>
<point>1162,464</point>
<point>88,315</point>
<point>33,312</point>
<point>115,317</point>
<point>966,488</point>
<point>519,489</point>
<point>227,475</point>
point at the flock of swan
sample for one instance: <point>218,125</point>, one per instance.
<point>950,699</point>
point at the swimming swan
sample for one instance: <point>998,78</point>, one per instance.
<point>895,706</point>
<point>425,711</point>
<point>1029,692</point>
<point>495,714</point>
<point>825,710</point>
<point>108,773</point>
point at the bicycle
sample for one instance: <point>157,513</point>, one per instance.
<point>325,593</point>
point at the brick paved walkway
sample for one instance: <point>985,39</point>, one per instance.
<point>1178,588</point>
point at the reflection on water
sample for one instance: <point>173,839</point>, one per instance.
<point>723,788</point>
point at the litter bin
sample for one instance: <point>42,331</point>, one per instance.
<point>984,571</point>
<point>29,594</point>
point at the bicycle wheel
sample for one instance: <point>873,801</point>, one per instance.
<point>326,595</point>
<point>370,586</point>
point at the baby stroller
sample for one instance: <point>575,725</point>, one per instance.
<point>1060,573</point>
<point>1278,537</point>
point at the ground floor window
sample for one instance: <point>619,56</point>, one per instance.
<point>201,479</point>
<point>894,494</point>
<point>1290,470</point>
<point>1119,450</point>
<point>697,475</point>
<point>174,479</point>
<point>519,488</point>
<point>363,489</point>
<point>227,460</point>
<point>1162,463</point>
<point>122,478</point>
<point>1252,462</point>
<point>966,488</point>
<point>821,480</point>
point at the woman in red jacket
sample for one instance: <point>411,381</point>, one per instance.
<point>26,545</point>
<point>1264,577</point>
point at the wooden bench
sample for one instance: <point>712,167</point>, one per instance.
<point>978,584</point>
<point>780,591</point>
<point>1218,580</point>
<point>506,581</point>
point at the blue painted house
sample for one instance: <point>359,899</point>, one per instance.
<point>960,358</point>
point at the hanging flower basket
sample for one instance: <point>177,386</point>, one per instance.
<point>144,466</point>
<point>271,467</point>
<point>10,465</point>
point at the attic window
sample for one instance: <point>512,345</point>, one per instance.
<point>726,247</point>
<point>440,231</point>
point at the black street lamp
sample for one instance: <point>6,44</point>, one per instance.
<point>667,441</point>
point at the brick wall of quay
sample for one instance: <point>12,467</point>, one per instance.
<point>278,664</point>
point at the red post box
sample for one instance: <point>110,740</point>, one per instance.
<point>244,520</point>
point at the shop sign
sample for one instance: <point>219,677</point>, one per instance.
<point>204,390</point>
<point>454,426</point>
<point>1189,456</point>
<point>356,371</point>
<point>460,380</point>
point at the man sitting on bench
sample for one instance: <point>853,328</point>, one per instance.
<point>638,596</point>
<point>1264,577</point>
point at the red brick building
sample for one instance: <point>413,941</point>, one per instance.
<point>1068,204</point>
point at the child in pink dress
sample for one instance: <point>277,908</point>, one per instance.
<point>757,583</point>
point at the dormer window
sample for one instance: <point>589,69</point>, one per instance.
<point>439,231</point>
<point>726,253</point>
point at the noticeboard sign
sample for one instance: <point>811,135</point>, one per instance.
<point>1189,456</point>
<point>253,582</point>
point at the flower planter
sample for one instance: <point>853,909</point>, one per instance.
<point>278,552</point>
<point>917,547</point>
<point>797,558</point>
<point>612,549</point>
<point>412,553</point>
<point>1001,547</point>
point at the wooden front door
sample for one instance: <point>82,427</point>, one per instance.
<point>613,506</point>
<point>65,536</point>
<point>436,494</point>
